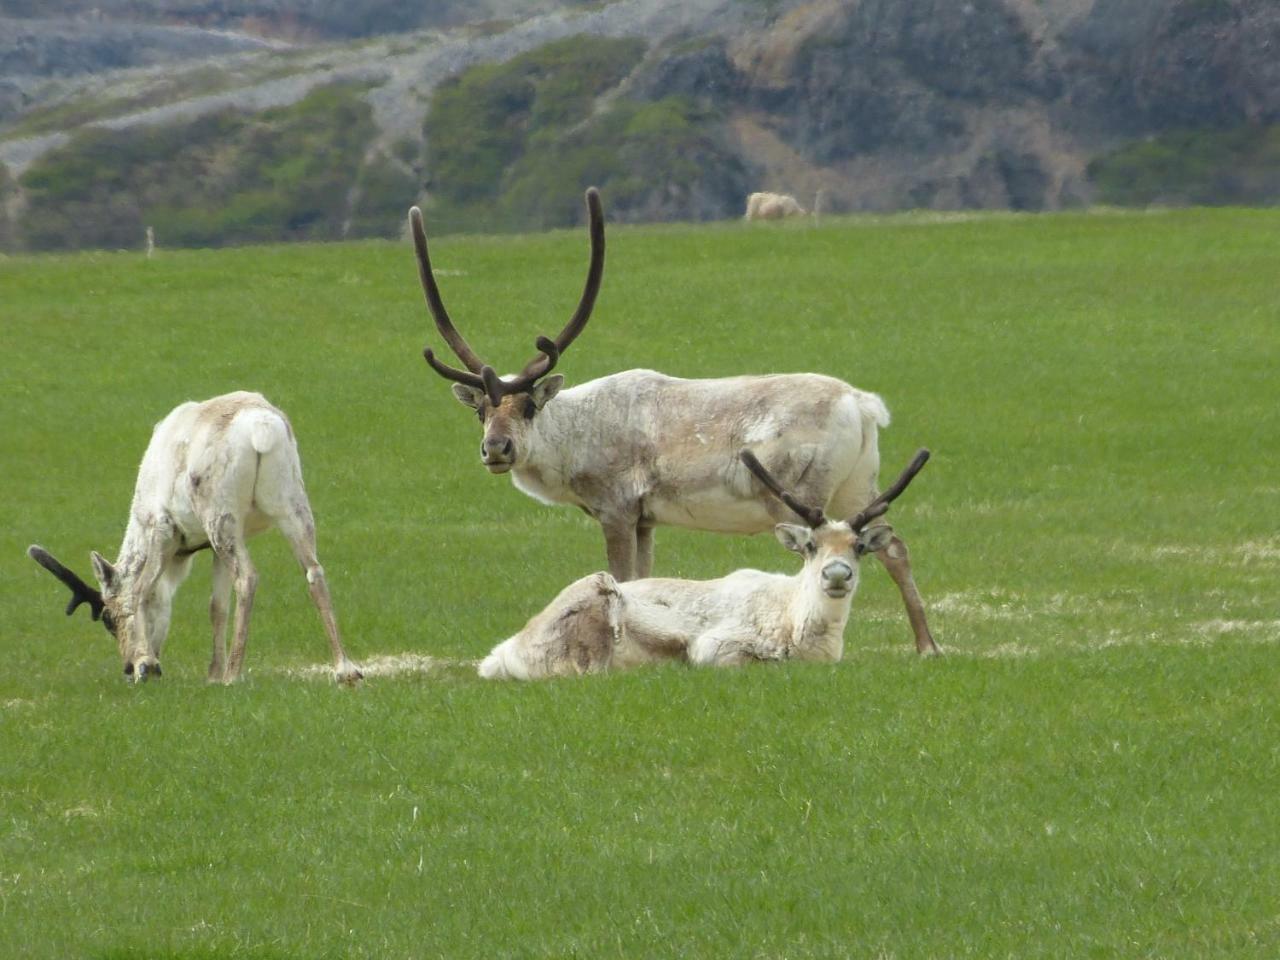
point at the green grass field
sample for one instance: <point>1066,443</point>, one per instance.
<point>1091,771</point>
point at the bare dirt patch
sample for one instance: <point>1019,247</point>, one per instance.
<point>386,665</point>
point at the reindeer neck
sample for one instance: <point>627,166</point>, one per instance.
<point>140,537</point>
<point>133,548</point>
<point>559,434</point>
<point>817,621</point>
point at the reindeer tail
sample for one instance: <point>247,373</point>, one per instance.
<point>266,431</point>
<point>872,409</point>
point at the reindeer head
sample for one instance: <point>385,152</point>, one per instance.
<point>507,406</point>
<point>114,605</point>
<point>832,548</point>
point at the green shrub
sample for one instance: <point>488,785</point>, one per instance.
<point>384,192</point>
<point>648,158</point>
<point>512,146</point>
<point>283,174</point>
<point>484,120</point>
<point>472,131</point>
<point>1238,166</point>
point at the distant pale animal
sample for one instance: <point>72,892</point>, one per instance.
<point>214,474</point>
<point>598,624</point>
<point>638,449</point>
<point>772,206</point>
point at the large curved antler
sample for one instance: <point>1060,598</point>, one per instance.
<point>549,351</point>
<point>81,592</point>
<point>452,373</point>
<point>881,503</point>
<point>456,341</point>
<point>540,366</point>
<point>813,516</point>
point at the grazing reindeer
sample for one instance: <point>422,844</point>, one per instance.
<point>597,623</point>
<point>637,449</point>
<point>772,206</point>
<point>214,474</point>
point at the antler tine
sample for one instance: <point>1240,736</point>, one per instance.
<point>494,385</point>
<point>535,370</point>
<point>881,503</point>
<point>550,350</point>
<point>81,592</point>
<point>859,522</point>
<point>813,516</point>
<point>488,381</point>
<point>451,373</point>
<point>456,341</point>
<point>539,366</point>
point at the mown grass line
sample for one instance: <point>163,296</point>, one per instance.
<point>1090,772</point>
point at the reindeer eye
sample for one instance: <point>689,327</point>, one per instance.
<point>530,408</point>
<point>109,621</point>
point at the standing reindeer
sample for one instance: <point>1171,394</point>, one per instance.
<point>597,623</point>
<point>638,449</point>
<point>214,474</point>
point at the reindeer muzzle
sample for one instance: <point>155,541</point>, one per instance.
<point>498,456</point>
<point>837,579</point>
<point>142,670</point>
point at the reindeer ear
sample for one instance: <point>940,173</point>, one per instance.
<point>470,396</point>
<point>545,389</point>
<point>794,537</point>
<point>873,539</point>
<point>104,571</point>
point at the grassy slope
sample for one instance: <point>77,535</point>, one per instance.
<point>1100,396</point>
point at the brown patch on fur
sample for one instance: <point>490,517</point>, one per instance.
<point>588,631</point>
<point>510,409</point>
<point>578,631</point>
<point>835,537</point>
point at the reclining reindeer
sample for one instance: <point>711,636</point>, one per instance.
<point>637,449</point>
<point>214,474</point>
<point>597,623</point>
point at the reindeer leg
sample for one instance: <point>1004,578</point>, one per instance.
<point>644,551</point>
<point>246,585</point>
<point>620,548</point>
<point>219,608</point>
<point>720,648</point>
<point>897,561</point>
<point>852,496</point>
<point>343,669</point>
<point>226,538</point>
<point>300,530</point>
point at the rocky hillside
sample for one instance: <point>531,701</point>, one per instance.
<point>220,122</point>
